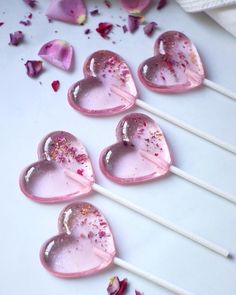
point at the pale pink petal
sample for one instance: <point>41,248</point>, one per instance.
<point>135,6</point>
<point>70,11</point>
<point>57,52</point>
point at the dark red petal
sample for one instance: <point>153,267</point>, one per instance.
<point>149,28</point>
<point>34,67</point>
<point>161,4</point>
<point>104,29</point>
<point>117,287</point>
<point>55,85</point>
<point>31,3</point>
<point>16,38</point>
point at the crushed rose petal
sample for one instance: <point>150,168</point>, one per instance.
<point>55,85</point>
<point>149,28</point>
<point>117,287</point>
<point>30,16</point>
<point>31,3</point>
<point>133,22</point>
<point>125,29</point>
<point>1,24</point>
<point>161,4</point>
<point>87,31</point>
<point>25,22</point>
<point>138,293</point>
<point>34,67</point>
<point>94,12</point>
<point>16,38</point>
<point>104,29</point>
<point>107,3</point>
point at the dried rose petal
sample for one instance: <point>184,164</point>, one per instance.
<point>94,12</point>
<point>135,6</point>
<point>70,11</point>
<point>25,22</point>
<point>133,23</point>
<point>31,3</point>
<point>57,52</point>
<point>117,287</point>
<point>34,68</point>
<point>138,292</point>
<point>104,29</point>
<point>16,38</point>
<point>161,4</point>
<point>1,24</point>
<point>107,3</point>
<point>149,28</point>
<point>55,85</point>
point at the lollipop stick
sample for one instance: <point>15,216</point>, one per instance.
<point>152,216</point>
<point>202,184</point>
<point>212,139</point>
<point>150,277</point>
<point>220,89</point>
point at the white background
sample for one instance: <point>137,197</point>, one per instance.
<point>29,111</point>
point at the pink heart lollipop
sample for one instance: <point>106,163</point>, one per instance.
<point>64,172</point>
<point>108,88</point>
<point>85,246</point>
<point>83,232</point>
<point>175,67</point>
<point>93,95</point>
<point>45,180</point>
<point>140,154</point>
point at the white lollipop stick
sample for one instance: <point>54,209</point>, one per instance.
<point>220,89</point>
<point>174,121</point>
<point>150,277</point>
<point>139,272</point>
<point>190,178</point>
<point>152,216</point>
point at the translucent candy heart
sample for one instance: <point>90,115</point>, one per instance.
<point>84,245</point>
<point>108,87</point>
<point>135,6</point>
<point>176,66</point>
<point>140,154</point>
<point>45,181</point>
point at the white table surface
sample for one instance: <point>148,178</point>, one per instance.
<point>30,110</point>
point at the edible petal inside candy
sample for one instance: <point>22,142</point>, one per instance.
<point>34,68</point>
<point>46,181</point>
<point>84,245</point>
<point>71,11</point>
<point>135,6</point>
<point>140,154</point>
<point>176,66</point>
<point>57,52</point>
<point>108,87</point>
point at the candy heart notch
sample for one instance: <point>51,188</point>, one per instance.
<point>175,67</point>
<point>140,154</point>
<point>106,75</point>
<point>84,245</point>
<point>46,182</point>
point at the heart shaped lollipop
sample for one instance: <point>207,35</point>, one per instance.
<point>93,95</point>
<point>175,67</point>
<point>85,246</point>
<point>45,180</point>
<point>140,154</point>
<point>83,233</point>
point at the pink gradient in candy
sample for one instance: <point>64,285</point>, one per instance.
<point>46,182</point>
<point>84,245</point>
<point>135,6</point>
<point>175,67</point>
<point>140,154</point>
<point>58,53</point>
<point>108,87</point>
<point>70,11</point>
